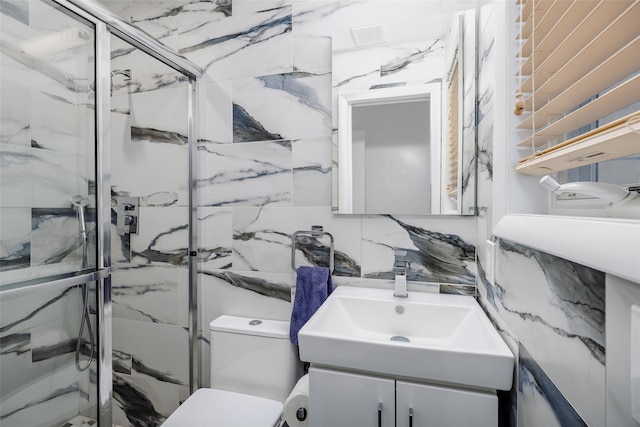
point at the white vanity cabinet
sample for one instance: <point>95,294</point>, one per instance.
<point>345,399</point>
<point>421,405</point>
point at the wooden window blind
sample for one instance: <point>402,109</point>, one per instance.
<point>452,133</point>
<point>579,72</point>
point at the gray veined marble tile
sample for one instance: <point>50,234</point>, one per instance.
<point>216,111</point>
<point>36,177</point>
<point>435,256</point>
<point>24,313</point>
<point>539,400</point>
<point>159,376</point>
<point>146,73</point>
<point>556,306</point>
<point>15,238</point>
<point>243,7</point>
<point>159,117</point>
<point>18,10</point>
<point>51,401</point>
<point>132,404</point>
<point>158,17</point>
<point>241,46</point>
<point>15,113</point>
<point>259,101</point>
<point>577,291</point>
<point>255,284</point>
<point>215,238</point>
<point>468,173</point>
<point>312,172</point>
<point>485,161</point>
<point>159,188</point>
<point>162,238</point>
<point>148,293</point>
<point>450,288</point>
<point>121,362</point>
<point>248,174</point>
<point>55,237</point>
<point>416,62</point>
<point>15,361</point>
<point>262,239</point>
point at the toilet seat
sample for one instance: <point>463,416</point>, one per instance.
<point>219,408</point>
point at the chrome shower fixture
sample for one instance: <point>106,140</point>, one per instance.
<point>79,202</point>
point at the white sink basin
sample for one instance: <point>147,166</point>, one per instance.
<point>444,338</point>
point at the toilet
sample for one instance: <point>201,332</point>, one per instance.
<point>254,367</point>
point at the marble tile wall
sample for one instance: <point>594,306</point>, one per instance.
<point>264,163</point>
<point>149,160</point>
<point>46,157</point>
<point>264,158</point>
<point>40,383</point>
<point>46,119</point>
<point>551,312</point>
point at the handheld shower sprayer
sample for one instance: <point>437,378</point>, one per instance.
<point>79,203</point>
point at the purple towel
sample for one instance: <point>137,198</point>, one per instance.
<point>313,286</point>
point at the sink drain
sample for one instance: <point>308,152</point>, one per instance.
<point>399,338</point>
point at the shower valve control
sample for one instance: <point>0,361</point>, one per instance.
<point>127,215</point>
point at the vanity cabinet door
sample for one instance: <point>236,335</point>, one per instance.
<point>340,399</point>
<point>419,405</point>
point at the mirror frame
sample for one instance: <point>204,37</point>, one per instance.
<point>431,92</point>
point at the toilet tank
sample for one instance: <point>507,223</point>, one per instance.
<point>253,356</point>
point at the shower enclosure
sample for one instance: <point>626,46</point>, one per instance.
<point>74,135</point>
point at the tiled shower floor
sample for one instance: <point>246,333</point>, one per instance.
<point>82,421</point>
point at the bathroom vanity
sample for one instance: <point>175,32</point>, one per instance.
<point>427,359</point>
<point>340,398</point>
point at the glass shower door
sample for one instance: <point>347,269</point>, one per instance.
<point>48,249</point>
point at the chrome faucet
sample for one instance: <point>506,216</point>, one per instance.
<point>400,267</point>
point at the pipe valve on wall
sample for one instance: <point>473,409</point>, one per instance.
<point>127,215</point>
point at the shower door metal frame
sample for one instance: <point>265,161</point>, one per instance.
<point>106,23</point>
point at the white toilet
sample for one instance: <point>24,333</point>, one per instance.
<point>254,367</point>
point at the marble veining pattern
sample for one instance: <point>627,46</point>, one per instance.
<point>135,405</point>
<point>551,303</point>
<point>241,46</point>
<point>312,172</point>
<point>578,292</point>
<point>254,284</point>
<point>250,174</point>
<point>18,10</point>
<point>15,239</point>
<point>153,372</point>
<point>261,239</point>
<point>434,256</point>
<point>215,239</point>
<point>38,334</point>
<point>258,103</point>
<point>539,400</point>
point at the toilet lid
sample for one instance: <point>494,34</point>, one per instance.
<point>219,408</point>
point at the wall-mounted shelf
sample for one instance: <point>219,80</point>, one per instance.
<point>614,140</point>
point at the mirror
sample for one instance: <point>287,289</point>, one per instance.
<point>404,114</point>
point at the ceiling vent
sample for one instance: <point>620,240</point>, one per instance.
<point>369,35</point>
